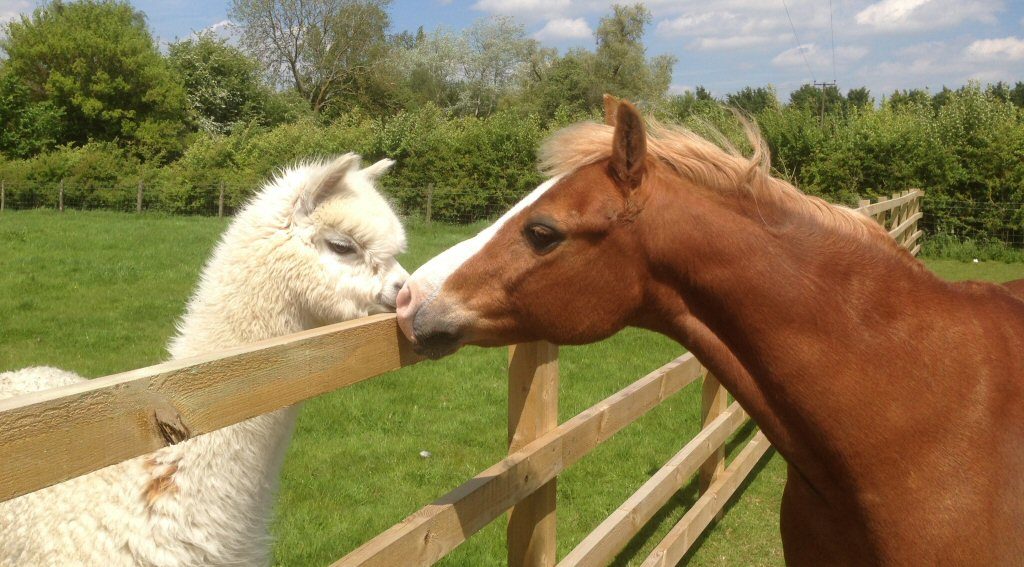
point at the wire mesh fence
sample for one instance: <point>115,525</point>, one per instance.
<point>434,202</point>
<point>963,221</point>
<point>956,220</point>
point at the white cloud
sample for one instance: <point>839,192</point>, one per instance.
<point>745,27</point>
<point>10,10</point>
<point>816,57</point>
<point>1001,49</point>
<point>529,9</point>
<point>919,15</point>
<point>679,89</point>
<point>564,28</point>
<point>740,41</point>
<point>221,25</point>
<point>795,56</point>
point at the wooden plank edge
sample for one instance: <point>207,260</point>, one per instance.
<point>613,534</point>
<point>913,238</point>
<point>681,538</point>
<point>915,250</point>
<point>49,436</point>
<point>433,531</point>
<point>905,225</point>
<point>887,205</point>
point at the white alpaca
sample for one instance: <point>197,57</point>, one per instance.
<point>315,246</point>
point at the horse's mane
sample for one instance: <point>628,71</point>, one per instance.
<point>717,164</point>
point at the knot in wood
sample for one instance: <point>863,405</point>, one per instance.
<point>170,425</point>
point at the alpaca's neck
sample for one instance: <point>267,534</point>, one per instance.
<point>235,469</point>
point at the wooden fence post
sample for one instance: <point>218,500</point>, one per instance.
<point>532,412</point>
<point>430,202</point>
<point>60,196</point>
<point>138,199</point>
<point>220,201</point>
<point>714,400</point>
<point>3,194</point>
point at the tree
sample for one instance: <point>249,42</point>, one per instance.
<point>753,100</point>
<point>911,97</point>
<point>326,49</point>
<point>96,63</point>
<point>621,64</point>
<point>498,53</point>
<point>860,98</point>
<point>575,82</point>
<point>27,127</point>
<point>223,84</point>
<point>810,98</point>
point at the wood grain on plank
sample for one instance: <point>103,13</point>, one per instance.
<point>602,545</point>
<point>532,412</point>
<point>674,546</point>
<point>433,531</point>
<point>50,436</point>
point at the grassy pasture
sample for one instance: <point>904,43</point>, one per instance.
<point>99,293</point>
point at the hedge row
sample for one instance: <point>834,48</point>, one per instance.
<point>966,154</point>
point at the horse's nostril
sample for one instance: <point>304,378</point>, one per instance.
<point>437,343</point>
<point>403,299</point>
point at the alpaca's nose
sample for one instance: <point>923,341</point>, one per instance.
<point>389,295</point>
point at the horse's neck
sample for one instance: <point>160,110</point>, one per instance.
<point>790,319</point>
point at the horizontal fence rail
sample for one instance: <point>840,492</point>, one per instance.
<point>435,530</point>
<point>50,436</point>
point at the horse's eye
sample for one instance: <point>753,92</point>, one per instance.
<point>341,248</point>
<point>542,237</point>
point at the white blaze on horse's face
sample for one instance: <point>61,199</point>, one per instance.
<point>349,238</point>
<point>423,286</point>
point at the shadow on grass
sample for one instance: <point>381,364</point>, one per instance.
<point>686,497</point>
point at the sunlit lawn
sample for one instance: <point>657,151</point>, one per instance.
<point>99,293</point>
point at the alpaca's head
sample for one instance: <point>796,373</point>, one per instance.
<point>331,252</point>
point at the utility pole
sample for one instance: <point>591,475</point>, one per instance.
<point>823,85</point>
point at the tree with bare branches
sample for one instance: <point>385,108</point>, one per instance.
<point>325,49</point>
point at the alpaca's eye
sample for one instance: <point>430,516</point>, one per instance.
<point>542,237</point>
<point>341,248</point>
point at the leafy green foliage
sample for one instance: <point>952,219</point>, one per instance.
<point>223,85</point>
<point>27,126</point>
<point>95,61</point>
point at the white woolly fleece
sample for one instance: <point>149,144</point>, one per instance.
<point>208,501</point>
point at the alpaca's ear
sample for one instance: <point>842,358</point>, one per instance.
<point>380,168</point>
<point>329,182</point>
<point>629,147</point>
<point>611,105</point>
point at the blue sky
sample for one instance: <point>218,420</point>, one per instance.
<point>727,44</point>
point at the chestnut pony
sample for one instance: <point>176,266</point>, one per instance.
<point>896,398</point>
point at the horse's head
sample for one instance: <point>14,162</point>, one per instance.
<point>564,265</point>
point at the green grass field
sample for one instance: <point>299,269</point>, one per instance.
<point>99,293</point>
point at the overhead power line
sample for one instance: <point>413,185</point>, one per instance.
<point>796,37</point>
<point>832,29</point>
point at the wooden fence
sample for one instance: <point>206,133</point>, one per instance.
<point>50,436</point>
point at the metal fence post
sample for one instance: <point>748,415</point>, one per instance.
<point>138,199</point>
<point>60,196</point>
<point>220,201</point>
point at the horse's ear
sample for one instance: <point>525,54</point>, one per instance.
<point>629,146</point>
<point>380,168</point>
<point>328,183</point>
<point>611,105</point>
